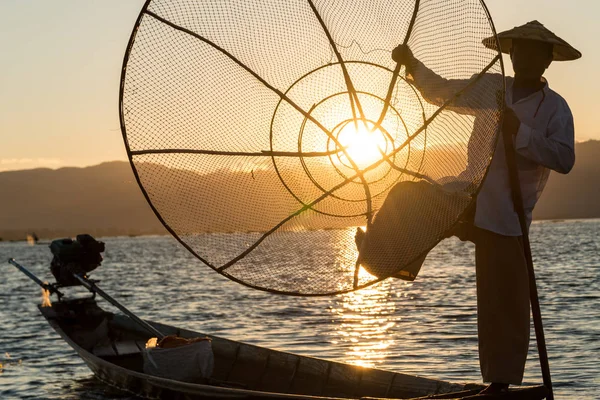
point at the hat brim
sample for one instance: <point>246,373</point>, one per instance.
<point>562,51</point>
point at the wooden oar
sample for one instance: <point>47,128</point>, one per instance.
<point>34,278</point>
<point>92,287</point>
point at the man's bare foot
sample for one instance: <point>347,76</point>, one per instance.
<point>495,388</point>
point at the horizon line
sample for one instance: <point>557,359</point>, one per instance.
<point>53,164</point>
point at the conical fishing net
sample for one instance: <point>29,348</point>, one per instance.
<point>263,133</point>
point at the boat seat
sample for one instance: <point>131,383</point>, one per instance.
<point>119,348</point>
<point>126,347</point>
<point>105,350</point>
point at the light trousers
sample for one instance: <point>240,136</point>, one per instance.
<point>502,306</point>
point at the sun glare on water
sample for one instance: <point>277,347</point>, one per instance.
<point>362,146</point>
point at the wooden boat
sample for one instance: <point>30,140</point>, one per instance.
<point>111,345</point>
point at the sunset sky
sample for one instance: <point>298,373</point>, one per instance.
<point>61,61</point>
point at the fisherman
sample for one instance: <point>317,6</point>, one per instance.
<point>540,124</point>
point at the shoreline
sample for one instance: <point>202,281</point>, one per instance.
<point>47,235</point>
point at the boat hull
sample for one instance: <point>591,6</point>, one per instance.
<point>111,346</point>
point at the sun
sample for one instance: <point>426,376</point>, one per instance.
<point>363,145</point>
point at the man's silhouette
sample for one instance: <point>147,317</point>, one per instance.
<point>540,124</point>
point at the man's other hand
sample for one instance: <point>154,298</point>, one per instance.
<point>402,54</point>
<point>511,123</point>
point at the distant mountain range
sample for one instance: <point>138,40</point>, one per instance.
<point>105,199</point>
<point>577,194</point>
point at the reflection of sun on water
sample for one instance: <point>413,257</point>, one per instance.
<point>363,320</point>
<point>366,319</point>
<point>363,146</point>
<point>348,254</point>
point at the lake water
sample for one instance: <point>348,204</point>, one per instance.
<point>427,327</point>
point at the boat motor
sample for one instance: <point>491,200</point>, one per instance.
<point>72,261</point>
<point>79,256</point>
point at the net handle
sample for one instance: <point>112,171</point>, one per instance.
<point>388,96</point>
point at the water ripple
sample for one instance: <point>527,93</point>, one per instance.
<point>427,327</point>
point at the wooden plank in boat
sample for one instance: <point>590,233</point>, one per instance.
<point>249,366</point>
<point>104,350</point>
<point>279,372</point>
<point>310,377</point>
<point>375,383</point>
<point>409,385</point>
<point>523,393</point>
<point>126,347</point>
<point>225,352</point>
<point>125,323</point>
<point>140,344</point>
<point>343,381</point>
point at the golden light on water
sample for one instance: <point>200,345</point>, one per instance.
<point>366,321</point>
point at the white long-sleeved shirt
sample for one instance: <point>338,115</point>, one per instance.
<point>545,141</point>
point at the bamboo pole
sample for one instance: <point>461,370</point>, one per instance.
<point>511,161</point>
<point>388,97</point>
<point>92,287</point>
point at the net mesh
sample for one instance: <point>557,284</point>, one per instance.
<point>253,129</point>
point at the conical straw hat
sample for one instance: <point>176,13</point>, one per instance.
<point>533,30</point>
